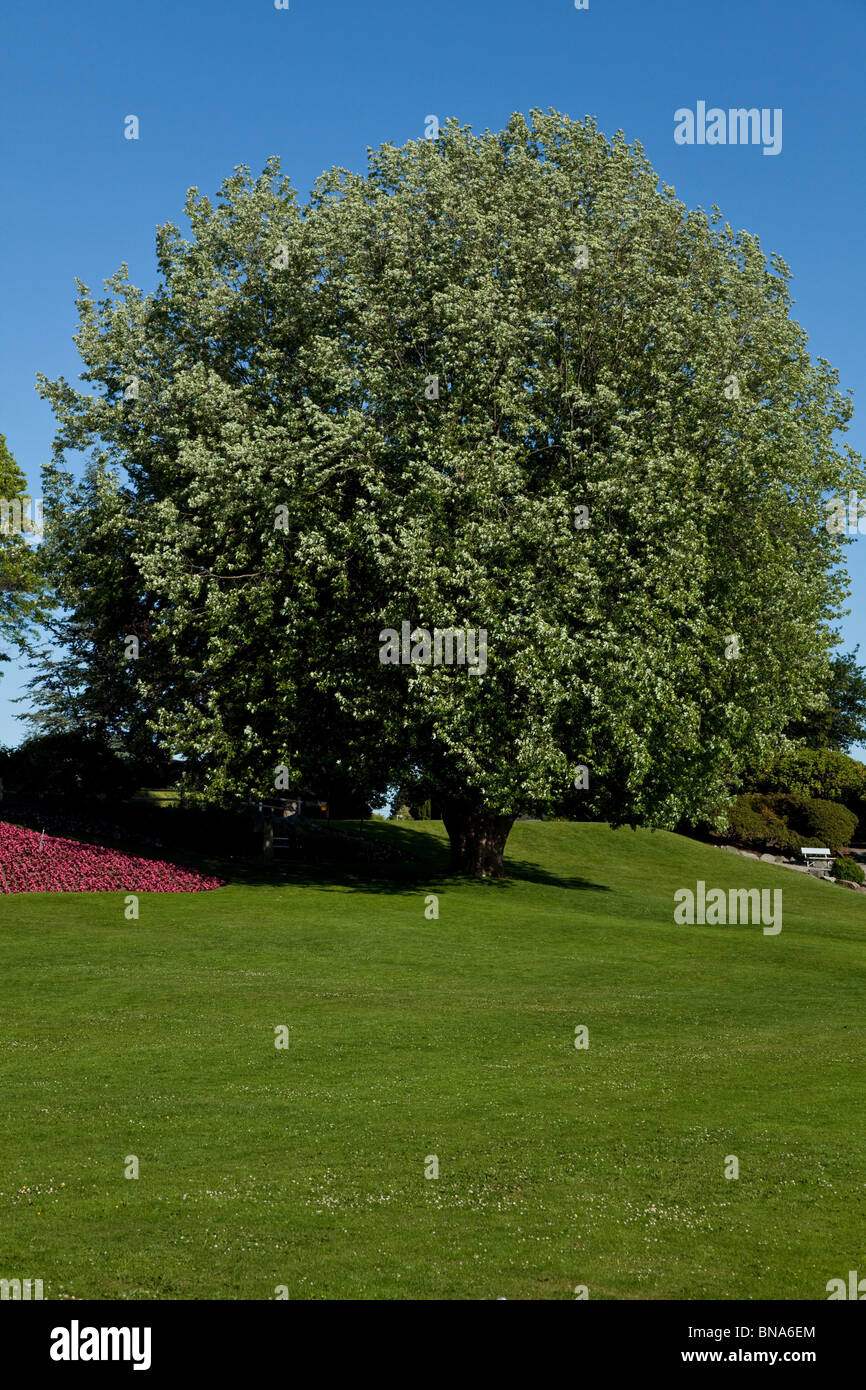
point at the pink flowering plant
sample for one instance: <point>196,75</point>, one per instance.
<point>34,863</point>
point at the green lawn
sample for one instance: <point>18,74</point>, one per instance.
<point>409,1037</point>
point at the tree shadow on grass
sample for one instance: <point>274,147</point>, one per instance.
<point>385,858</point>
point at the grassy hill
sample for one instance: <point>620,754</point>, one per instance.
<point>454,1037</point>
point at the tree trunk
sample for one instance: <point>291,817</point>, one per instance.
<point>477,841</point>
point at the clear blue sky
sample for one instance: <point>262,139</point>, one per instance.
<point>216,83</point>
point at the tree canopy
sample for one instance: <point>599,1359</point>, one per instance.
<point>841,721</point>
<point>503,383</point>
<point>19,583</point>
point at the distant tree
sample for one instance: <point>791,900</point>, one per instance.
<point>827,773</point>
<point>842,721</point>
<point>504,382</point>
<point>83,655</point>
<point>417,798</point>
<point>19,579</point>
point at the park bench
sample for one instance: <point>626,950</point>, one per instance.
<point>818,860</point>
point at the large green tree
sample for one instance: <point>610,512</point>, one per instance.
<point>504,382</point>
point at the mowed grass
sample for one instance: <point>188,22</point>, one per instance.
<point>410,1037</point>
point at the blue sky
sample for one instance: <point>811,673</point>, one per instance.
<point>224,82</point>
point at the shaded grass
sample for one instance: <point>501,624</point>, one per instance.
<point>455,1037</point>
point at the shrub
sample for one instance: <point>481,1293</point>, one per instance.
<point>71,765</point>
<point>787,823</point>
<point>829,823</point>
<point>847,869</point>
<point>762,821</point>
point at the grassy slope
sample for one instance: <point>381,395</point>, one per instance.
<point>454,1037</point>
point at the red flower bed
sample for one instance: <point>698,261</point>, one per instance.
<point>32,863</point>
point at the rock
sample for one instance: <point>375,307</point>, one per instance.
<point>771,858</point>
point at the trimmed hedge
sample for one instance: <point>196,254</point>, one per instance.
<point>786,823</point>
<point>830,823</point>
<point>753,820</point>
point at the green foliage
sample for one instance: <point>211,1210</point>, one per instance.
<point>829,823</point>
<point>416,798</point>
<point>848,870</point>
<point>20,585</point>
<point>787,822</point>
<point>822,772</point>
<point>842,720</point>
<point>762,822</point>
<point>86,680</point>
<point>279,488</point>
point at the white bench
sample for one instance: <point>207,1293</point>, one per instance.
<point>818,860</point>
